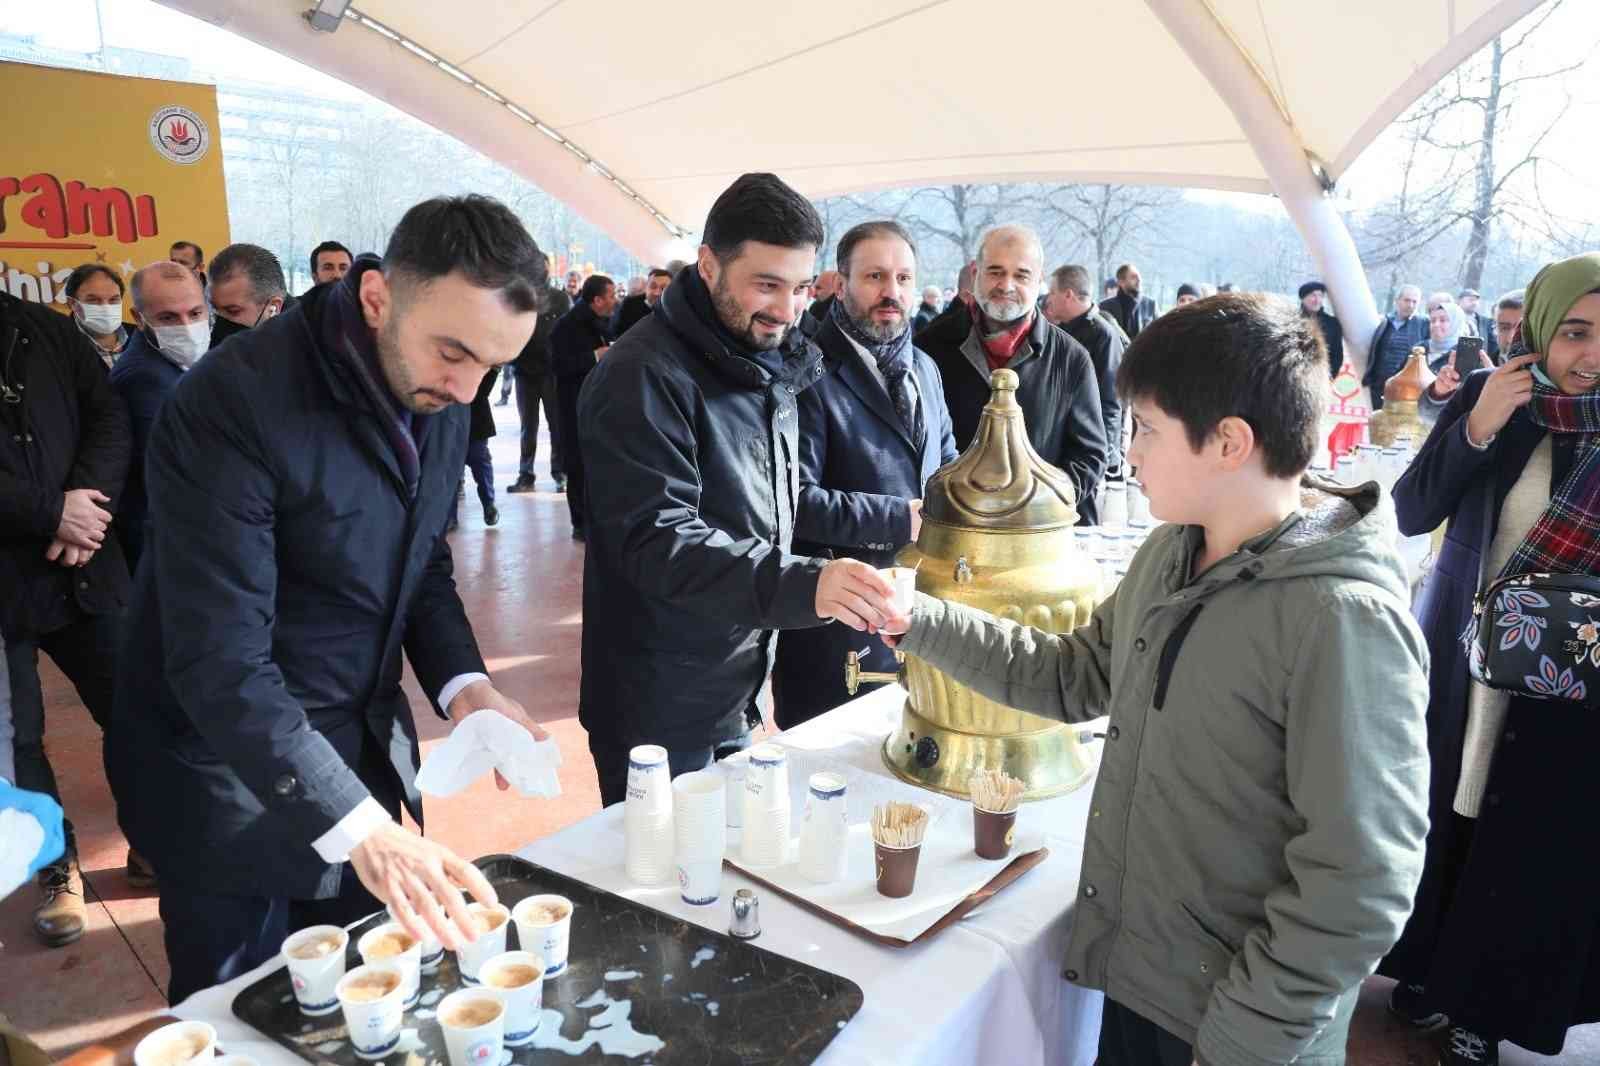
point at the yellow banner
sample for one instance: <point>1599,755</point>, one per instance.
<point>124,167</point>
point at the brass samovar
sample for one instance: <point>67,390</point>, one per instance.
<point>996,535</point>
<point>1401,416</point>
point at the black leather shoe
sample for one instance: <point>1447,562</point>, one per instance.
<point>491,515</point>
<point>522,484</point>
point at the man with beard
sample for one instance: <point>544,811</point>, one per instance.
<point>1127,308</point>
<point>1057,389</point>
<point>872,431</point>
<point>261,748</point>
<point>689,433</point>
<point>247,288</point>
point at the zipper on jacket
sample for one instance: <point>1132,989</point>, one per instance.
<point>1169,655</point>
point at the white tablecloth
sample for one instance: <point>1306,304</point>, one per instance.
<point>988,989</point>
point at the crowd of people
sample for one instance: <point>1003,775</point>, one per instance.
<point>226,523</point>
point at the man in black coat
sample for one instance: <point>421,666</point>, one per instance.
<point>1129,310</point>
<point>1058,391</point>
<point>1071,308</point>
<point>299,486</point>
<point>576,345</point>
<point>536,384</point>
<point>690,439</point>
<point>169,303</point>
<point>64,445</point>
<point>1312,295</point>
<point>480,463</point>
<point>873,429</point>
<point>927,311</point>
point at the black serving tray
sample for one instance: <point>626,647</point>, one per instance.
<point>725,1001</point>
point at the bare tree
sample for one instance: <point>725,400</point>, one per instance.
<point>1107,217</point>
<point>960,214</point>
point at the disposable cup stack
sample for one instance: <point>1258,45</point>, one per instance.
<point>824,830</point>
<point>647,817</point>
<point>700,822</point>
<point>766,807</point>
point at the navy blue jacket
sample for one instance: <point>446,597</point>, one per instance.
<point>858,473</point>
<point>691,457</point>
<point>1501,932</point>
<point>286,571</point>
<point>144,378</point>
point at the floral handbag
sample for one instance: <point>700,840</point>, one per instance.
<point>1538,635</point>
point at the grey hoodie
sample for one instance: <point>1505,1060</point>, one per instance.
<point>1256,831</point>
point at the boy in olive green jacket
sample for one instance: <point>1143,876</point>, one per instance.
<point>1256,831</point>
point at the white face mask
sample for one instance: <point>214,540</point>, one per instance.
<point>184,345</point>
<point>101,318</point>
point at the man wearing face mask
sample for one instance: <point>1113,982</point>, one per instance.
<point>173,331</point>
<point>64,446</point>
<point>299,485</point>
<point>247,288</point>
<point>689,433</point>
<point>94,295</point>
<point>1057,388</point>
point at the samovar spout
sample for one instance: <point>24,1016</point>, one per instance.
<point>855,677</point>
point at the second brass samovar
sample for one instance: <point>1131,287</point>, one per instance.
<point>996,535</point>
<point>1401,416</point>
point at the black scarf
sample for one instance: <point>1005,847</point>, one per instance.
<point>768,359</point>
<point>893,357</point>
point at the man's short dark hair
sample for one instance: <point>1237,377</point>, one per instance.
<point>1511,301</point>
<point>328,246</point>
<point>1122,271</point>
<point>83,273</point>
<point>866,231</point>
<point>660,272</point>
<point>257,264</point>
<point>760,207</point>
<point>199,256</point>
<point>476,235</point>
<point>1244,355</point>
<point>1072,278</point>
<point>594,287</point>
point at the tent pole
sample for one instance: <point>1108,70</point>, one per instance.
<point>1201,35</point>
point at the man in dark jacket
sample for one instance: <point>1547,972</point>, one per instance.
<point>1312,295</point>
<point>536,384</point>
<point>169,303</point>
<point>690,438</point>
<point>635,305</point>
<point>577,343</point>
<point>1391,345</point>
<point>480,427</point>
<point>823,291</point>
<point>64,444</point>
<point>1071,308</point>
<point>872,431</point>
<point>1483,325</point>
<point>1058,391</point>
<point>928,310</point>
<point>299,486</point>
<point>1127,308</point>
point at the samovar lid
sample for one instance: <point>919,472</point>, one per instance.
<point>1412,380</point>
<point>1000,482</point>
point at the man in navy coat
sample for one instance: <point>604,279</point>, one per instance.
<point>872,431</point>
<point>261,747</point>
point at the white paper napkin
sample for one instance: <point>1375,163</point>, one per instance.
<point>488,740</point>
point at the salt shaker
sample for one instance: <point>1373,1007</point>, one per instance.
<point>746,923</point>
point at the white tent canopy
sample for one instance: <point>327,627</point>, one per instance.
<point>637,114</point>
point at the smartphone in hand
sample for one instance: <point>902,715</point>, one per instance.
<point>1468,355</point>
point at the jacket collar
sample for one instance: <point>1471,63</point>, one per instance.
<point>844,359</point>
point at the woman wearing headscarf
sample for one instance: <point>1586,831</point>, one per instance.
<point>1445,322</point>
<point>1504,938</point>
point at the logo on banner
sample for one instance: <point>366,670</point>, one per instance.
<point>180,135</point>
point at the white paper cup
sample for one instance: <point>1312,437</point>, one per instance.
<point>767,781</point>
<point>700,881</point>
<point>904,580</point>
<point>524,1002</point>
<point>551,941</point>
<point>178,1044</point>
<point>766,836</point>
<point>733,773</point>
<point>648,852</point>
<point>649,778</point>
<point>472,956</point>
<point>374,1024</point>
<point>314,980</point>
<point>409,961</point>
<point>700,822</point>
<point>432,950</point>
<point>473,1045</point>
<point>825,830</point>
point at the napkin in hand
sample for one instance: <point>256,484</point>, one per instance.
<point>488,740</point>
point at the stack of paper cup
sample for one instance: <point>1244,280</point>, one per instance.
<point>647,816</point>
<point>766,807</point>
<point>824,830</point>
<point>733,770</point>
<point>700,823</point>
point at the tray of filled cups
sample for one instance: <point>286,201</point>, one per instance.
<point>559,969</point>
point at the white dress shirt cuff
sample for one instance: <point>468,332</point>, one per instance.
<point>353,829</point>
<point>453,688</point>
